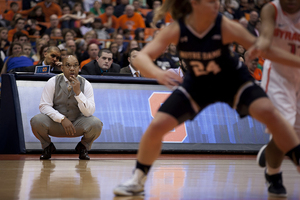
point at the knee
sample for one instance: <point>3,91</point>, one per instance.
<point>157,127</point>
<point>96,125</point>
<point>268,113</point>
<point>37,121</point>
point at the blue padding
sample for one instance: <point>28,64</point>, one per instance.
<point>11,126</point>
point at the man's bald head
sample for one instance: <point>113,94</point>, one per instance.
<point>129,10</point>
<point>70,67</point>
<point>53,48</point>
<point>69,59</point>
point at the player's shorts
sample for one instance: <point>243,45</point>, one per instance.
<point>238,92</point>
<point>284,94</point>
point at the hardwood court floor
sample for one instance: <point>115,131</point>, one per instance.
<point>174,177</point>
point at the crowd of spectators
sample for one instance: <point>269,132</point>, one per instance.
<point>89,29</point>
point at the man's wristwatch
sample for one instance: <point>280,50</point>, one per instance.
<point>62,119</point>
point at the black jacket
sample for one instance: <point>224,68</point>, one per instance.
<point>92,68</point>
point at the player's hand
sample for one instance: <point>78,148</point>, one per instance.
<point>169,79</point>
<point>261,45</point>
<point>74,82</point>
<point>68,126</point>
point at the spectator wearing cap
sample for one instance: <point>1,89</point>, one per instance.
<point>109,21</point>
<point>88,38</point>
<point>131,20</point>
<point>93,50</point>
<point>103,63</point>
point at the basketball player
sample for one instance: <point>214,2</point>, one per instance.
<point>214,74</point>
<point>280,28</point>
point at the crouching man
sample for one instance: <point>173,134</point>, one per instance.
<point>67,106</point>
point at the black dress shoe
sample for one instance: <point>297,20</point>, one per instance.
<point>47,152</point>
<point>83,153</point>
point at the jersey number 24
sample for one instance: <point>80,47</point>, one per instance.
<point>200,70</point>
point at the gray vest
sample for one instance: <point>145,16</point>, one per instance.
<point>64,101</point>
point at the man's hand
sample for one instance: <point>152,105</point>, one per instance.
<point>58,64</point>
<point>68,126</point>
<point>261,46</point>
<point>75,84</point>
<point>169,79</point>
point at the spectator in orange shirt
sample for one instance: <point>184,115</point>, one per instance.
<point>93,50</point>
<point>110,22</point>
<point>14,7</point>
<point>49,8</point>
<point>131,20</point>
<point>19,26</point>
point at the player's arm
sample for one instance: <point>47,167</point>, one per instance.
<point>264,41</point>
<point>144,60</point>
<point>268,15</point>
<point>234,32</point>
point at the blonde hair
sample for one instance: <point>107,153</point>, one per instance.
<point>177,8</point>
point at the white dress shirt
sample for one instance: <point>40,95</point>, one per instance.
<point>133,71</point>
<point>85,100</point>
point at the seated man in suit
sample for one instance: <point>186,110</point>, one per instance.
<point>67,106</point>
<point>103,63</point>
<point>52,57</point>
<point>130,69</point>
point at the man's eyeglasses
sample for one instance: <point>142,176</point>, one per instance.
<point>104,58</point>
<point>74,66</point>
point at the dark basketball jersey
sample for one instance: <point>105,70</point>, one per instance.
<point>214,71</point>
<point>206,53</point>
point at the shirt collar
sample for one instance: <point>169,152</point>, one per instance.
<point>66,80</point>
<point>133,70</point>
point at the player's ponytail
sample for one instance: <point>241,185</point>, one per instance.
<point>177,8</point>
